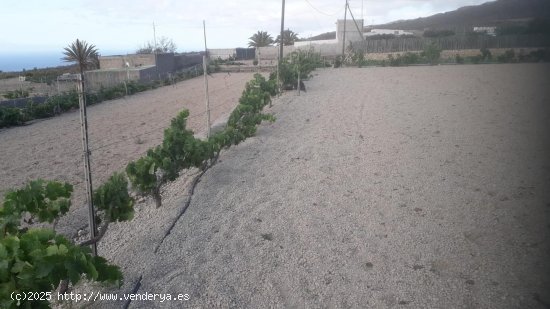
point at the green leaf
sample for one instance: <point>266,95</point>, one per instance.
<point>52,250</point>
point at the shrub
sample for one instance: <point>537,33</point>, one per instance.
<point>486,54</point>
<point>11,116</point>
<point>432,53</point>
<point>38,260</point>
<point>507,57</point>
<point>459,59</point>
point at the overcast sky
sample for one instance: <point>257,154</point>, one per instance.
<point>121,26</point>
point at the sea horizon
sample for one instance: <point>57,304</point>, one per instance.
<point>16,62</point>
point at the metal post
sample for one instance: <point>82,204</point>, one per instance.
<point>87,168</point>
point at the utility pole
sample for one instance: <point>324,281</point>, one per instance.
<point>281,47</point>
<point>344,35</point>
<point>87,168</point>
<point>205,68</point>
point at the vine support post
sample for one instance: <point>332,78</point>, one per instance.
<point>279,86</point>
<point>299,81</point>
<point>205,69</point>
<point>87,168</point>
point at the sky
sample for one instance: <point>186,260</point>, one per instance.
<point>122,26</point>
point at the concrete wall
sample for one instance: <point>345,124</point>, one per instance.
<point>326,50</point>
<point>119,62</point>
<point>184,61</point>
<point>109,78</point>
<point>272,52</point>
<point>148,74</point>
<point>221,53</point>
<point>165,64</point>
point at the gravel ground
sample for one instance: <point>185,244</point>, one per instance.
<point>416,187</point>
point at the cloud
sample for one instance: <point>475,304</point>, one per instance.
<point>124,25</point>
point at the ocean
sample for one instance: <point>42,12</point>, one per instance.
<point>28,61</point>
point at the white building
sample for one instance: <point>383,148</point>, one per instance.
<point>387,31</point>
<point>486,30</point>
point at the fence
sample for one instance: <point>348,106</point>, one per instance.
<point>474,42</point>
<point>453,43</point>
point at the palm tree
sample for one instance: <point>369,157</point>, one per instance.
<point>289,37</point>
<point>84,54</point>
<point>260,39</point>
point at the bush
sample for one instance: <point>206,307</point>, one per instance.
<point>298,62</point>
<point>18,93</point>
<point>486,54</point>
<point>403,60</point>
<point>508,57</point>
<point>11,116</point>
<point>38,260</point>
<point>459,59</point>
<point>432,53</point>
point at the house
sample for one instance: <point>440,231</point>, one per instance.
<point>373,32</point>
<point>487,30</point>
<point>117,69</point>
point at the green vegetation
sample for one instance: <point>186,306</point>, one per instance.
<point>54,105</point>
<point>297,63</point>
<point>180,150</point>
<point>289,37</point>
<point>38,260</point>
<point>260,39</point>
<point>432,53</point>
<point>17,93</point>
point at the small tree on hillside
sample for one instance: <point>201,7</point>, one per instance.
<point>164,45</point>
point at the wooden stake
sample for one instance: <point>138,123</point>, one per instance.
<point>87,168</point>
<point>205,70</point>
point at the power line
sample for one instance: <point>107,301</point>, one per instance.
<point>324,13</point>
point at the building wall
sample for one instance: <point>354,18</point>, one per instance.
<point>119,62</point>
<point>221,53</point>
<point>351,30</point>
<point>387,31</point>
<point>184,61</point>
<point>109,78</point>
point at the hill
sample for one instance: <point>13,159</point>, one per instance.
<point>487,14</point>
<point>495,13</point>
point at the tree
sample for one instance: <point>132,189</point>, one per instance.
<point>84,54</point>
<point>289,37</point>
<point>164,45</point>
<point>260,39</point>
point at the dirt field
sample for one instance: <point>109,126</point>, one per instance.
<point>415,187</point>
<point>119,131</point>
<point>412,187</point>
